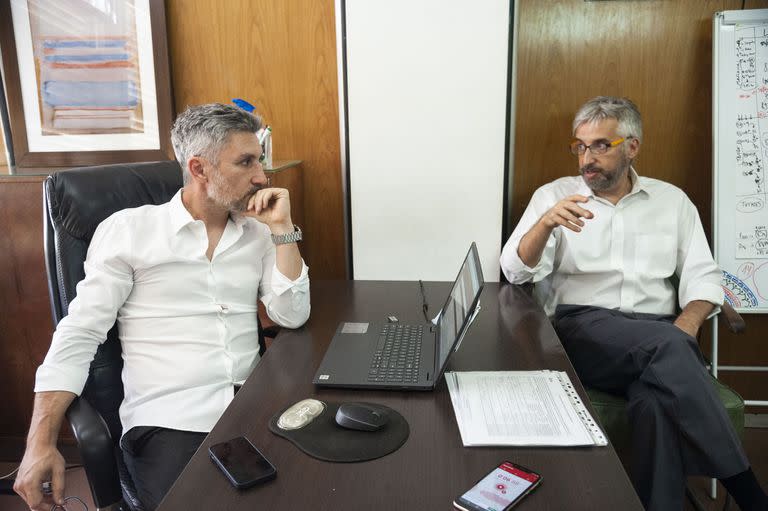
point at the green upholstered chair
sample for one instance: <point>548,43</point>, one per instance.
<point>612,415</point>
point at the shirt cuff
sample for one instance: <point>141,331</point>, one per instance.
<point>54,378</point>
<point>281,283</point>
<point>518,272</point>
<point>705,291</point>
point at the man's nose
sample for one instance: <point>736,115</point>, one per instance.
<point>260,177</point>
<point>587,157</point>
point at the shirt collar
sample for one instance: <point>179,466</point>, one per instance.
<point>181,217</point>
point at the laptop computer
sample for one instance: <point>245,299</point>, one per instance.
<point>381,355</point>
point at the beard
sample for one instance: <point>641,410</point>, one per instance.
<point>599,179</point>
<point>225,197</point>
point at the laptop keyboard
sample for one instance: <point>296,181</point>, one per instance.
<point>398,354</point>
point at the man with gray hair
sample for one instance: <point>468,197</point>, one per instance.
<point>601,248</point>
<point>183,280</point>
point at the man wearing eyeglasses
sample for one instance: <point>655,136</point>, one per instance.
<point>601,248</point>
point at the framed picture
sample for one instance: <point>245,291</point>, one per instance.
<point>87,81</point>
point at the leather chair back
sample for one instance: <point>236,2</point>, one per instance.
<point>74,203</point>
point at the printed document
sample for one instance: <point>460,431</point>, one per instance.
<point>520,408</point>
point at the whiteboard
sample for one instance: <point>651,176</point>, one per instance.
<point>740,155</point>
<point>426,105</point>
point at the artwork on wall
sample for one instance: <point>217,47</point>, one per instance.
<point>87,81</point>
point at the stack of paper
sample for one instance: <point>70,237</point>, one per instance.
<point>520,408</point>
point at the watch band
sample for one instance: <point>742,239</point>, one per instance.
<point>291,237</point>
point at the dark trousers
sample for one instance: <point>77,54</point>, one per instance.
<point>155,457</point>
<point>679,424</point>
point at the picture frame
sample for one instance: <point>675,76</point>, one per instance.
<point>87,82</point>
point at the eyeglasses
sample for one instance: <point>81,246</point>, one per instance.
<point>597,147</point>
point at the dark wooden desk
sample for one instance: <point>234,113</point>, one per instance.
<point>432,468</point>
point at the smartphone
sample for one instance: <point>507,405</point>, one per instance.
<point>500,490</point>
<point>242,462</point>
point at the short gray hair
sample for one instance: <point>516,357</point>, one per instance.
<point>607,107</point>
<point>204,129</point>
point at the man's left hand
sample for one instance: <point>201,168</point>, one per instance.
<point>271,206</point>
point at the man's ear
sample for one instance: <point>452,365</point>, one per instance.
<point>633,147</point>
<point>196,169</point>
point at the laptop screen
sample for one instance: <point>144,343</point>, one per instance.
<point>461,302</point>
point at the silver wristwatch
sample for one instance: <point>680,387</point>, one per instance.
<point>291,237</point>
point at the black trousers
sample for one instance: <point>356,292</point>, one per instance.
<point>679,424</point>
<point>155,457</point>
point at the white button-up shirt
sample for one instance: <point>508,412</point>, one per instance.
<point>188,326</point>
<point>624,256</point>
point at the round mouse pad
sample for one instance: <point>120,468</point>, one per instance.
<point>324,439</point>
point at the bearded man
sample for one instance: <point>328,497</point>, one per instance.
<point>601,249</point>
<point>183,280</point>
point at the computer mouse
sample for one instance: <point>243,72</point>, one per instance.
<point>362,416</point>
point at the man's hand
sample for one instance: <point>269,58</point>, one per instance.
<point>567,213</point>
<point>41,464</point>
<point>272,206</point>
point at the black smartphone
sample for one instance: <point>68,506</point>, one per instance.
<point>500,490</point>
<point>242,462</point>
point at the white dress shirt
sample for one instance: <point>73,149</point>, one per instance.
<point>624,256</point>
<point>188,326</point>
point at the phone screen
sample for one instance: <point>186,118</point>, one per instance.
<point>242,463</point>
<point>500,489</point>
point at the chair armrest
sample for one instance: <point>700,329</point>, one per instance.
<point>733,319</point>
<point>271,331</point>
<point>96,451</point>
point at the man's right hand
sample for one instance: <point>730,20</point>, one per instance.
<point>41,464</point>
<point>567,213</point>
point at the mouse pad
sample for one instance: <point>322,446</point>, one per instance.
<point>324,439</point>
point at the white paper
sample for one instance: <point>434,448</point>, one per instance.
<point>520,408</point>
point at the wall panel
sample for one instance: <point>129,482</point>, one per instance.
<point>426,135</point>
<point>281,57</point>
<point>25,322</point>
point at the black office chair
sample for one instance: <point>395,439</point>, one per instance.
<point>74,203</point>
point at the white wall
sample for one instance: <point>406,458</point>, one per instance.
<point>426,103</point>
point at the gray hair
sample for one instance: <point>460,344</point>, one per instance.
<point>204,129</point>
<point>607,107</point>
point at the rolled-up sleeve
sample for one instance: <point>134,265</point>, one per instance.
<point>515,270</point>
<point>286,300</point>
<point>700,277</point>
<point>108,281</point>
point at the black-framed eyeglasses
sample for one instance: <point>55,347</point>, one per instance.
<point>601,146</point>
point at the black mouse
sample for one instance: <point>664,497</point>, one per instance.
<point>362,416</point>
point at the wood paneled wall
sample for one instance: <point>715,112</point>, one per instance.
<point>281,57</point>
<point>659,54</point>
<point>25,322</point>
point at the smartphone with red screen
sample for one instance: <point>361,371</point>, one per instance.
<point>501,489</point>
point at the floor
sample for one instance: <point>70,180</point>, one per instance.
<point>755,442</point>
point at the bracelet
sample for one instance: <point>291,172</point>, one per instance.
<point>291,237</point>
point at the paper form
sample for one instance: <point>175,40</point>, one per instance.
<point>520,408</point>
